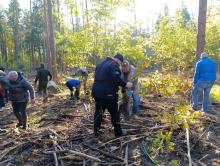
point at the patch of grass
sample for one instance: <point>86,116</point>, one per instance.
<point>215,93</point>
<point>36,120</point>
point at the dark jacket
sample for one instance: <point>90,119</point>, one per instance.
<point>42,75</point>
<point>18,90</point>
<point>107,79</point>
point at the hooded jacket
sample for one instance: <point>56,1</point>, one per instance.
<point>19,90</point>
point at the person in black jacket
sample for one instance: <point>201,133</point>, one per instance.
<point>19,90</point>
<point>42,79</point>
<point>105,89</point>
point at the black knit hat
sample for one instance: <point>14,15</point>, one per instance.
<point>119,57</point>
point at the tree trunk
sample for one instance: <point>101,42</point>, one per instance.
<point>46,38</point>
<point>201,28</point>
<point>3,47</point>
<point>135,16</point>
<point>58,11</point>
<point>51,38</point>
<point>87,19</point>
<point>17,50</point>
<point>83,19</point>
<point>77,16</point>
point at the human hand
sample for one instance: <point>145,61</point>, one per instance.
<point>32,101</point>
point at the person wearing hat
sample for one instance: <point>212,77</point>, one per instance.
<point>132,94</point>
<point>42,77</point>
<point>19,90</point>
<point>105,92</point>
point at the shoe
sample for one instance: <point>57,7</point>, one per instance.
<point>195,109</point>
<point>25,127</point>
<point>134,116</point>
<point>18,125</point>
<point>2,131</point>
<point>72,98</point>
<point>123,133</point>
<point>97,132</point>
<point>45,100</point>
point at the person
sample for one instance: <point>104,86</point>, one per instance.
<point>105,92</point>
<point>2,95</point>
<point>3,90</point>
<point>204,78</point>
<point>73,83</point>
<point>133,94</point>
<point>19,90</point>
<point>83,73</point>
<point>42,79</point>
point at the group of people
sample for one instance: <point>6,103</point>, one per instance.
<point>110,74</point>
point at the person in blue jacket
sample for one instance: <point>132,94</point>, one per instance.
<point>204,78</point>
<point>73,83</point>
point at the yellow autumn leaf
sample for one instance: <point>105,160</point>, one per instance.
<point>146,63</point>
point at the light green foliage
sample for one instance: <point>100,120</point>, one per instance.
<point>174,43</point>
<point>182,115</point>
<point>159,142</point>
<point>213,32</point>
<point>175,163</point>
<point>215,93</point>
<point>165,84</point>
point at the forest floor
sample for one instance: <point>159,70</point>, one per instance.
<point>61,133</point>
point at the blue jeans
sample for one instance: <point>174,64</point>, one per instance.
<point>206,87</point>
<point>136,101</point>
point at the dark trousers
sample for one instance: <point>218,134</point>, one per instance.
<point>112,107</point>
<point>19,109</point>
<point>42,88</point>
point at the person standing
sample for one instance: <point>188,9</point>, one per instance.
<point>19,90</point>
<point>204,78</point>
<point>133,94</point>
<point>84,75</point>
<point>3,89</point>
<point>42,77</point>
<point>105,92</point>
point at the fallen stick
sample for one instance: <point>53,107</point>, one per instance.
<point>105,153</point>
<point>5,161</point>
<point>133,140</point>
<point>203,158</point>
<point>188,147</point>
<point>76,153</point>
<point>55,159</point>
<point>201,136</point>
<point>131,125</point>
<point>55,148</point>
<point>126,156</point>
<point>119,138</point>
<point>60,148</point>
<point>145,153</point>
<point>185,156</point>
<point>8,151</point>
